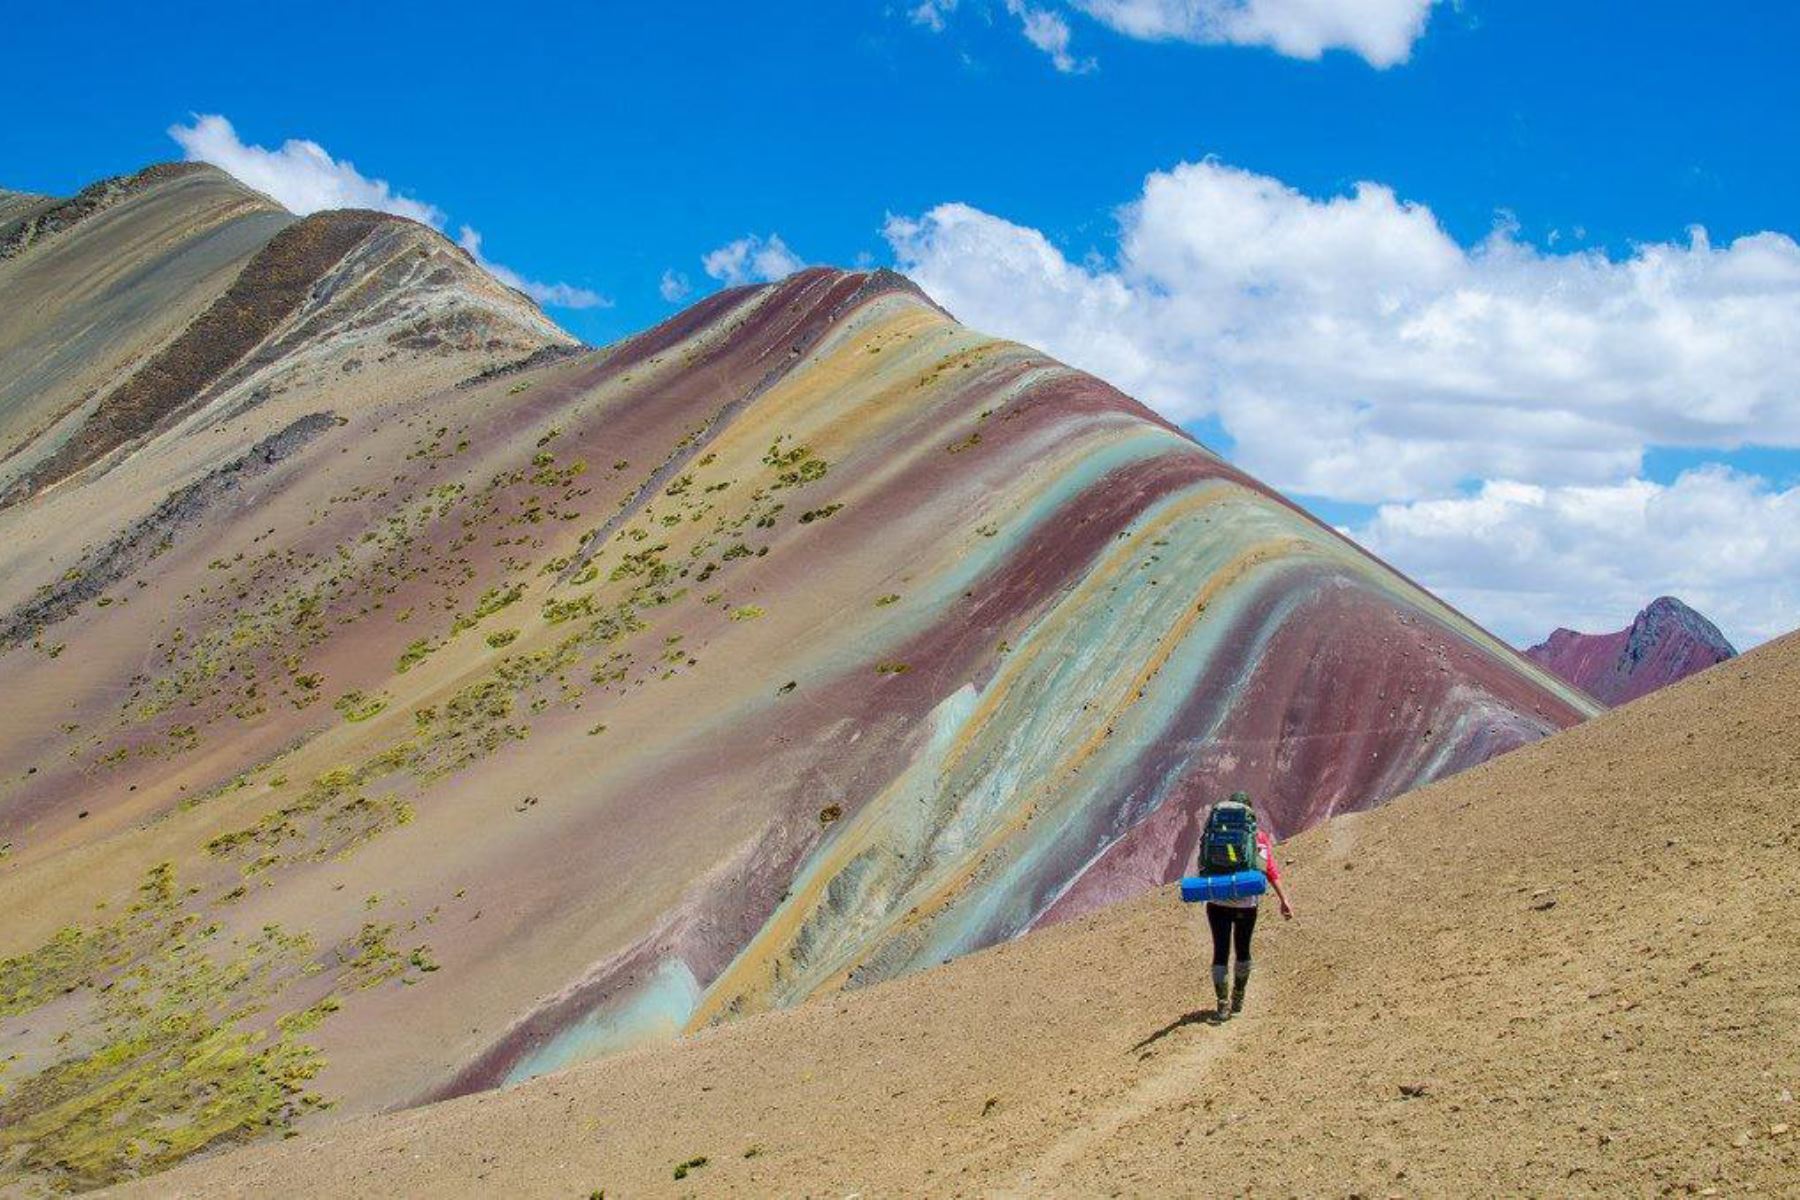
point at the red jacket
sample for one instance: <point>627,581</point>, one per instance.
<point>1265,847</point>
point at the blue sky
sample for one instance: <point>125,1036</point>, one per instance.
<point>610,148</point>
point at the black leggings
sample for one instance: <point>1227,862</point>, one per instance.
<point>1230,925</point>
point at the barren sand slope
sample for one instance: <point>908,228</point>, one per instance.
<point>1570,971</point>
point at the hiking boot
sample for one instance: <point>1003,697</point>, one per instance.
<point>1243,985</point>
<point>1223,991</point>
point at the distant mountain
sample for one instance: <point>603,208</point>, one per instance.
<point>402,700</point>
<point>1666,642</point>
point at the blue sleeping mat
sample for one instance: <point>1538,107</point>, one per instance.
<point>1236,886</point>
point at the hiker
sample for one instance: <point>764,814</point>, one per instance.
<point>1231,832</point>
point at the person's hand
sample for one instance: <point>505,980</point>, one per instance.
<point>1287,911</point>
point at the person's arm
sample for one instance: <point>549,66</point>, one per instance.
<point>1265,846</point>
<point>1287,909</point>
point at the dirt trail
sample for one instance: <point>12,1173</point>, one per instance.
<point>1569,972</point>
<point>1176,1080</point>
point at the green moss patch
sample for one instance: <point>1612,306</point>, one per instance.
<point>177,1055</point>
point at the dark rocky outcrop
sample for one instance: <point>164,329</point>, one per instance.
<point>20,235</point>
<point>154,534</point>
<point>268,291</point>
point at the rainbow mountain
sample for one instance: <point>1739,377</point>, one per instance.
<point>403,699</point>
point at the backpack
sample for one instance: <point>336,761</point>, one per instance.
<point>1228,844</point>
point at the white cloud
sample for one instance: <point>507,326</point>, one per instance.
<point>1354,350</point>
<point>300,176</point>
<point>1525,559</point>
<point>559,295</point>
<point>1381,31</point>
<point>674,286</point>
<point>751,259</point>
<point>932,13</point>
<point>304,178</point>
<point>1045,28</point>
<point>1049,32</point>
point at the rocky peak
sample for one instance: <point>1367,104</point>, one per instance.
<point>1665,642</point>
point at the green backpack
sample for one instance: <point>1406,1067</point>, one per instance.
<point>1229,843</point>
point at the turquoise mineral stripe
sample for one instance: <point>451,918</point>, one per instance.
<point>656,1011</point>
